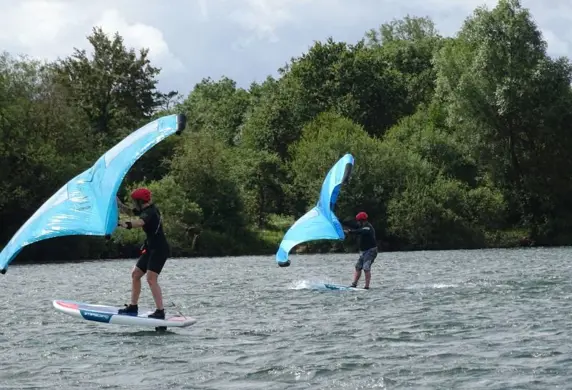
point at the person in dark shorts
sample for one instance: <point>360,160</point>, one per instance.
<point>367,246</point>
<point>154,252</point>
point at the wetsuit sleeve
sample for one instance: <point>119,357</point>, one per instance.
<point>363,230</point>
<point>147,218</point>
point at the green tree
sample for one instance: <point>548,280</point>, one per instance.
<point>275,121</point>
<point>459,142</point>
<point>444,214</point>
<point>353,80</point>
<point>511,102</point>
<point>425,134</point>
<point>116,88</point>
<point>202,167</point>
<point>408,46</point>
<point>217,108</point>
<point>260,175</point>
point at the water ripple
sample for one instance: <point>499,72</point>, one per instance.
<point>494,319</point>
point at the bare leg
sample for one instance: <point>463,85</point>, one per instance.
<point>357,275</point>
<point>367,278</point>
<point>155,289</point>
<point>136,276</point>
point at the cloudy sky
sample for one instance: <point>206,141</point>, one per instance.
<point>245,40</point>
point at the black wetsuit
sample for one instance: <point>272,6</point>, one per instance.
<point>366,236</point>
<point>367,245</point>
<point>155,250</point>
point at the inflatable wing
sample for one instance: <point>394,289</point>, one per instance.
<point>320,223</point>
<point>87,205</point>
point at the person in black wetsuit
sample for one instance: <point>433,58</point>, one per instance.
<point>154,254</point>
<point>367,246</point>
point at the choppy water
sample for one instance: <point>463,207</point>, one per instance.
<point>495,319</point>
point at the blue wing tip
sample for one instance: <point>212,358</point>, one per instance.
<point>282,258</point>
<point>181,123</point>
<point>3,271</point>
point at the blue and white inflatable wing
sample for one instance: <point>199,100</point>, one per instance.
<point>86,205</point>
<point>320,223</point>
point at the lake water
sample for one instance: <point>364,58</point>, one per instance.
<point>490,319</point>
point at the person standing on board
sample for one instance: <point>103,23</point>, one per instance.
<point>154,254</point>
<point>367,246</point>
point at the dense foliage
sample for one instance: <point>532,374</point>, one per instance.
<point>460,142</point>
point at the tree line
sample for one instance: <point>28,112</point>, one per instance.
<point>460,142</point>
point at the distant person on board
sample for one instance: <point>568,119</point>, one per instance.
<point>154,252</point>
<point>367,246</point>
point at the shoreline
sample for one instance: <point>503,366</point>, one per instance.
<point>294,253</point>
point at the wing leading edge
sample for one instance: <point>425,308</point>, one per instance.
<point>319,223</point>
<point>86,204</point>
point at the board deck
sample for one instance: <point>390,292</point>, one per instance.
<point>331,286</point>
<point>108,314</point>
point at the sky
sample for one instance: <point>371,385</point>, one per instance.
<point>245,40</point>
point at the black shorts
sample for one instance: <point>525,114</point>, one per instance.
<point>152,260</point>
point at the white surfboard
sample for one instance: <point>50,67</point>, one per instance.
<point>108,315</point>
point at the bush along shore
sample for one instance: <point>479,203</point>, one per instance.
<point>460,142</point>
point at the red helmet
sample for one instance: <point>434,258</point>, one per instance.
<point>361,216</point>
<point>142,194</point>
